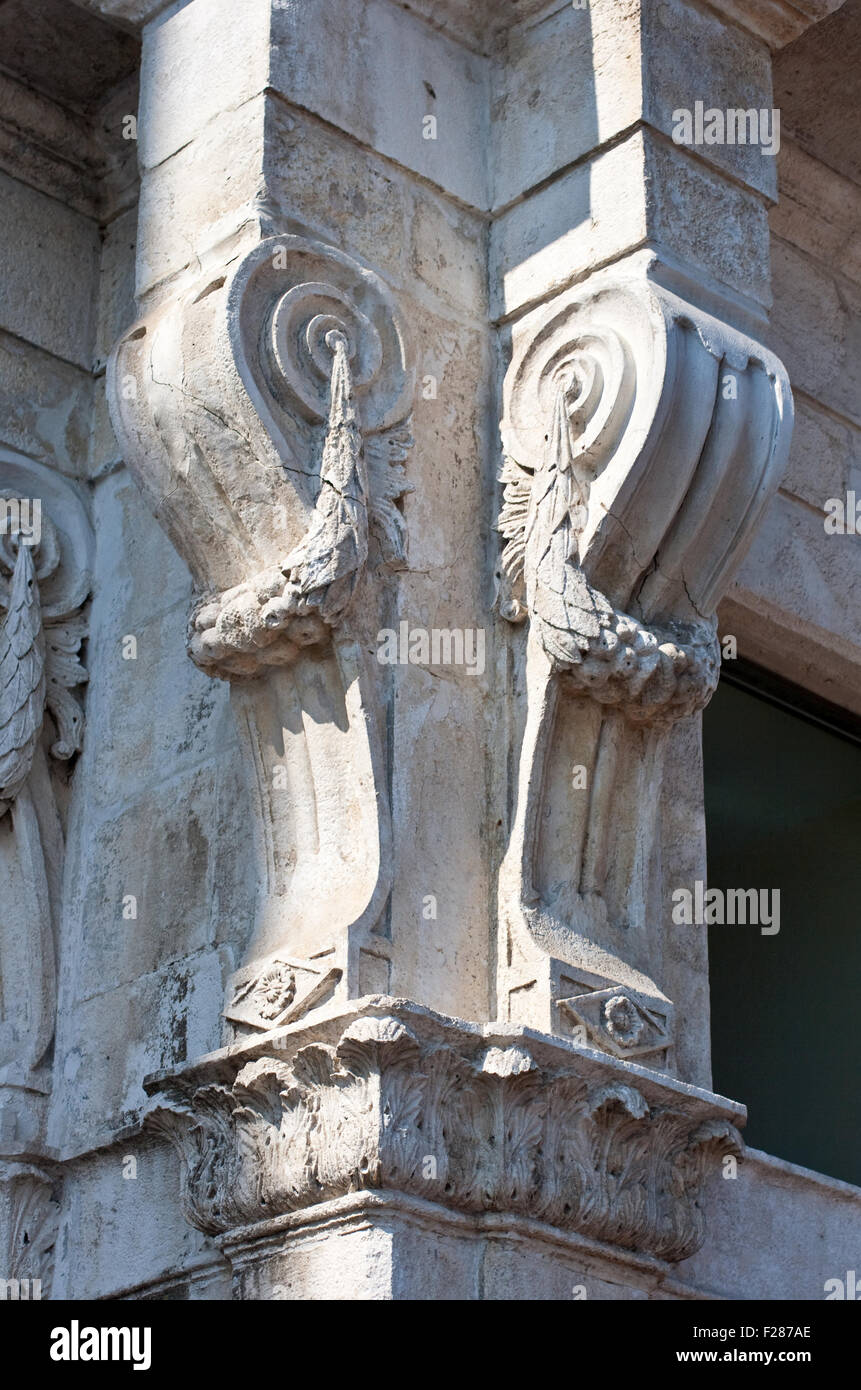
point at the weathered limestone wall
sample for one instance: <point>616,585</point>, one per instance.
<point>68,219</point>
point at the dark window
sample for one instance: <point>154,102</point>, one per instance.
<point>783,810</point>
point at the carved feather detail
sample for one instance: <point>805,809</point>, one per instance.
<point>39,668</point>
<point>326,565</point>
<point>22,679</point>
<point>360,482</point>
<point>572,614</point>
<point>266,620</point>
<point>654,673</point>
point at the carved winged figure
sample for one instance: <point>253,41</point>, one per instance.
<point>326,565</point>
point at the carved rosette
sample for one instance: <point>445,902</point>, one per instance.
<point>475,1124</point>
<point>643,440</point>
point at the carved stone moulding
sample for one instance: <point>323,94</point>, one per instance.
<point>392,1097</point>
<point>643,439</point>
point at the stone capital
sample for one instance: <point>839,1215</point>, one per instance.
<point>391,1098</point>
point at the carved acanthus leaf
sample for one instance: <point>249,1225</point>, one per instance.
<point>39,665</point>
<point>64,673</point>
<point>504,1133</point>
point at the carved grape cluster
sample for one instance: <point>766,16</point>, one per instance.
<point>658,675</point>
<point>262,623</point>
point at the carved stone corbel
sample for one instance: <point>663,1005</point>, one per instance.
<point>643,439</point>
<point>265,415</point>
<point>45,579</point>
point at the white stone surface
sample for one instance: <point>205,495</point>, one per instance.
<point>198,897</point>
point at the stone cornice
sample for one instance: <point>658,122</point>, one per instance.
<point>776,21</point>
<point>355,1211</point>
<point>479,23</point>
<point>126,14</point>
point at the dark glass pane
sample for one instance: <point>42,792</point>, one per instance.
<point>783,810</point>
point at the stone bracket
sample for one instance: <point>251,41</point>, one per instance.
<point>643,440</point>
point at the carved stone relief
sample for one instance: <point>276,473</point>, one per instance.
<point>45,579</point>
<point>265,414</point>
<point>477,1124</point>
<point>29,1218</point>
<point>642,440</point>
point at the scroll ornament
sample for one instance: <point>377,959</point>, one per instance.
<point>643,439</point>
<point>277,457</point>
<point>265,415</point>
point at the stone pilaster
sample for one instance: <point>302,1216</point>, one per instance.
<point>348,249</point>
